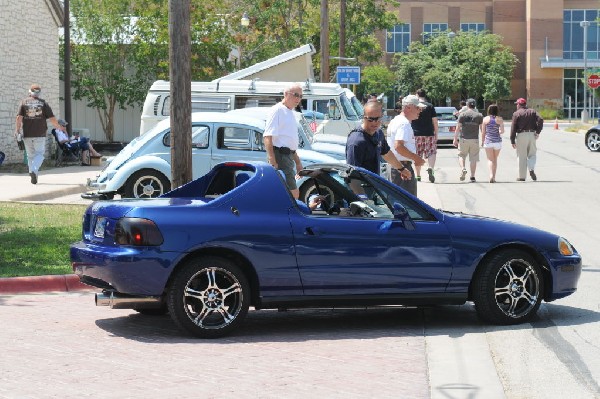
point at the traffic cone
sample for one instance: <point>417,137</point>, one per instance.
<point>556,124</point>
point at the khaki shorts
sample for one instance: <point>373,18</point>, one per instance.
<point>286,164</point>
<point>469,147</point>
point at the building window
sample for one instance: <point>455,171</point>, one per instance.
<point>573,94</point>
<point>472,27</point>
<point>398,39</point>
<point>573,34</point>
<point>430,30</point>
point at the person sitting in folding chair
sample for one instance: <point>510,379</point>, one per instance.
<point>76,142</point>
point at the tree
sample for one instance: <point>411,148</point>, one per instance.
<point>119,47</point>
<point>472,64</point>
<point>377,79</point>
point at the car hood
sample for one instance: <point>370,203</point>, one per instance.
<point>496,232</point>
<point>335,150</point>
<point>311,156</point>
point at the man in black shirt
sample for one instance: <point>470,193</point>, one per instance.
<point>426,132</point>
<point>367,143</point>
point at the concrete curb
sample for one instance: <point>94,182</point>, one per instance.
<point>33,284</point>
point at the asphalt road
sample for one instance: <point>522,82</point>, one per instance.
<point>61,345</point>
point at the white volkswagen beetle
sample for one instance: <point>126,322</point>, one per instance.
<point>143,169</point>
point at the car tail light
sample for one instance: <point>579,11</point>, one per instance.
<point>452,128</point>
<point>137,232</point>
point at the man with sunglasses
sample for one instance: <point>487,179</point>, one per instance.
<point>281,137</point>
<point>367,143</point>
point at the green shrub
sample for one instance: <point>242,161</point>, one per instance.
<point>550,113</point>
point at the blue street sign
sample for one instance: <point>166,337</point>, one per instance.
<point>348,75</point>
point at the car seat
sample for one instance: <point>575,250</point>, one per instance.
<point>241,178</point>
<point>65,152</point>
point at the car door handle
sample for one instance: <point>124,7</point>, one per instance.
<point>312,231</point>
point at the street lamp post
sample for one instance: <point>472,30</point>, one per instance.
<point>584,113</point>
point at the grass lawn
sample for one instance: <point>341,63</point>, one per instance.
<point>35,238</point>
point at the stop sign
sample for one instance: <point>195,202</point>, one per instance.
<point>594,81</point>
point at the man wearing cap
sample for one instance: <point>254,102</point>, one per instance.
<point>466,139</point>
<point>367,143</point>
<point>401,139</point>
<point>32,115</point>
<point>524,131</point>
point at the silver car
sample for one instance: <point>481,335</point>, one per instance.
<point>447,122</point>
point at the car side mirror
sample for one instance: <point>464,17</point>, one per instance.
<point>401,214</point>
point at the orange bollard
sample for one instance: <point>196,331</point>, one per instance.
<point>556,124</point>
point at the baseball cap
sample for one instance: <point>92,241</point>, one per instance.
<point>413,100</point>
<point>62,122</point>
<point>521,101</point>
<point>471,101</point>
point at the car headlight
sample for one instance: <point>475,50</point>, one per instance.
<point>564,247</point>
<point>137,232</point>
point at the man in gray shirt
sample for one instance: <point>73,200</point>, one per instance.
<point>466,138</point>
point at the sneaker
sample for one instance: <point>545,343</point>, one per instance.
<point>533,176</point>
<point>472,179</point>
<point>418,178</point>
<point>519,179</point>
<point>33,178</point>
<point>431,176</point>
<point>463,174</point>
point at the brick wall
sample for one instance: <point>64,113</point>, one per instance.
<point>29,53</point>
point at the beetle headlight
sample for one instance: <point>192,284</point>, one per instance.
<point>564,247</point>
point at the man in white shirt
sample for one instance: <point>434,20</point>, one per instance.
<point>281,137</point>
<point>401,139</point>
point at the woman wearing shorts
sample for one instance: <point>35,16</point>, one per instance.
<point>491,140</point>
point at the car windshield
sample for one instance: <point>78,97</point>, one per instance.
<point>445,114</point>
<point>354,193</point>
<point>357,106</point>
<point>348,108</point>
<point>305,133</point>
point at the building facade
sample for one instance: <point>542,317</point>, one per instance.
<point>29,53</point>
<point>546,36</point>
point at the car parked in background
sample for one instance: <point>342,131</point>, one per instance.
<point>234,238</point>
<point>143,168</point>
<point>447,122</point>
<point>592,138</point>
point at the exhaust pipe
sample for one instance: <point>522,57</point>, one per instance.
<point>120,301</point>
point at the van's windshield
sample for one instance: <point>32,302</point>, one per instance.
<point>348,108</point>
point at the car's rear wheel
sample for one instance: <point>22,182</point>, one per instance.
<point>592,141</point>
<point>209,297</point>
<point>508,288</point>
<point>146,183</point>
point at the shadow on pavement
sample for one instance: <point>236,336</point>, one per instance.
<point>327,324</point>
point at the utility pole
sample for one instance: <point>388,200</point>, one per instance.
<point>324,42</point>
<point>342,32</point>
<point>180,75</point>
<point>67,66</point>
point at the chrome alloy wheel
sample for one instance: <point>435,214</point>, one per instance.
<point>593,141</point>
<point>516,288</point>
<point>213,298</point>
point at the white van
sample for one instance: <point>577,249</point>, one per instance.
<point>339,115</point>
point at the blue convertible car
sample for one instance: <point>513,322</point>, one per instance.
<point>207,251</point>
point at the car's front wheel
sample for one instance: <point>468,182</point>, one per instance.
<point>209,297</point>
<point>508,288</point>
<point>592,141</point>
<point>146,183</point>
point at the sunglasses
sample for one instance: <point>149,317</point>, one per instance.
<point>372,118</point>
<point>296,95</point>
